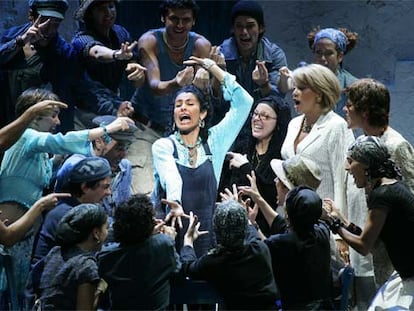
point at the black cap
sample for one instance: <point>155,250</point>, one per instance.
<point>248,8</point>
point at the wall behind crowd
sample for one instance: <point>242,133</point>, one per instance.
<point>384,51</point>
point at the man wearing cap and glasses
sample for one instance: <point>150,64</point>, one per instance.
<point>35,55</point>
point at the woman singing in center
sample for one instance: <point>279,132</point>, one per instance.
<point>188,163</point>
<point>319,133</point>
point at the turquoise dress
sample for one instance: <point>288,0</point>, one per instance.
<point>25,171</point>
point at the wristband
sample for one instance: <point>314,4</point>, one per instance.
<point>335,225</point>
<point>207,63</point>
<point>114,55</point>
<point>107,139</point>
<point>354,229</point>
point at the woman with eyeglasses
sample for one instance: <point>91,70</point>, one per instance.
<point>269,121</point>
<point>390,219</point>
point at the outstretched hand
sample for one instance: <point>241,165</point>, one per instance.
<point>125,52</point>
<point>125,109</point>
<point>49,201</point>
<point>206,63</point>
<point>175,214</point>
<point>252,190</point>
<point>119,124</point>
<point>45,105</point>
<point>185,77</point>
<point>193,231</point>
<point>260,75</point>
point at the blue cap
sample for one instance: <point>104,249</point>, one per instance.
<point>90,169</point>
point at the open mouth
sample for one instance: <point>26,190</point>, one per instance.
<point>257,127</point>
<point>296,102</point>
<point>245,40</point>
<point>184,118</point>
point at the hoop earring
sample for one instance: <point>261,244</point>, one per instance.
<point>201,123</point>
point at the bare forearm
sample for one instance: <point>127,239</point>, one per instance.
<point>15,232</point>
<point>161,88</point>
<point>356,242</point>
<point>267,211</point>
<point>12,132</point>
<point>102,53</point>
<point>217,72</point>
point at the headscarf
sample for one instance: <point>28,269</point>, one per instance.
<point>304,208</point>
<point>370,151</point>
<point>78,223</point>
<point>230,225</point>
<point>336,36</point>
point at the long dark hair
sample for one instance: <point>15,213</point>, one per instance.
<point>205,105</point>
<point>248,143</point>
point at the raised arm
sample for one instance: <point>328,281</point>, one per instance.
<point>105,54</point>
<point>148,50</point>
<point>9,235</point>
<point>12,132</point>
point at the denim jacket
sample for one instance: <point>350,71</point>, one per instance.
<point>267,51</point>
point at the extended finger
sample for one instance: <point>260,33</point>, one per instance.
<point>173,221</point>
<point>37,21</point>
<point>202,232</point>
<point>62,195</point>
<point>44,24</point>
<point>180,223</point>
<point>132,45</point>
<point>168,217</point>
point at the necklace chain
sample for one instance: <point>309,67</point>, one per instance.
<point>174,48</point>
<point>306,128</point>
<point>191,149</point>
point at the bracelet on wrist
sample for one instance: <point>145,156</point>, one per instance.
<point>208,63</point>
<point>107,139</point>
<point>354,229</point>
<point>114,55</point>
<point>335,225</point>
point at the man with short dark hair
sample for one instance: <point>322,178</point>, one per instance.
<point>250,56</point>
<point>89,181</point>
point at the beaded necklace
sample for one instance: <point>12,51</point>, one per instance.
<point>174,48</point>
<point>191,149</point>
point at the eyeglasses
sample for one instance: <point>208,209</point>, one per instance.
<point>262,116</point>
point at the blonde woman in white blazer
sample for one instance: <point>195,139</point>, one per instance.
<point>321,135</point>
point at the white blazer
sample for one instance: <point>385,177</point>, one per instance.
<point>326,144</point>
